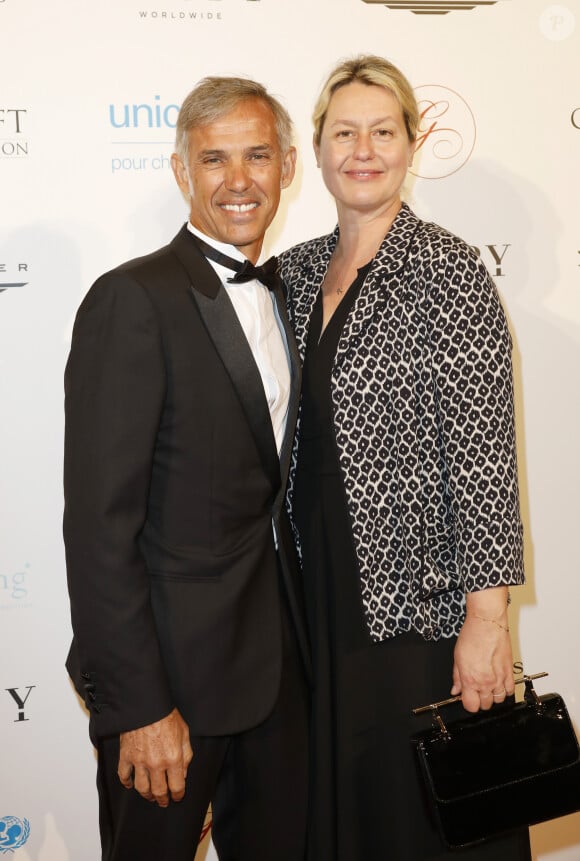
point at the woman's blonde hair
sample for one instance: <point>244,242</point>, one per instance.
<point>372,70</point>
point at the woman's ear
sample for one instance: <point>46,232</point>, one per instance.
<point>316,148</point>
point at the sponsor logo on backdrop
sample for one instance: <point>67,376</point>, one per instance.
<point>435,7</point>
<point>14,589</point>
<point>212,11</point>
<point>494,257</point>
<point>143,135</point>
<point>148,115</point>
<point>446,133</point>
<point>557,23</point>
<point>11,277</point>
<point>13,141</point>
<point>14,832</point>
<point>20,697</point>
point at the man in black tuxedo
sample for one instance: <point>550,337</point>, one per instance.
<point>182,390</point>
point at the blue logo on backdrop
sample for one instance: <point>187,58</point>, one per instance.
<point>137,129</point>
<point>14,833</point>
<point>152,115</point>
<point>14,589</point>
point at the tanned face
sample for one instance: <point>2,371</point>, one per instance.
<point>234,176</point>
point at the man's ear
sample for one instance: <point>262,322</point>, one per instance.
<point>180,174</point>
<point>288,167</point>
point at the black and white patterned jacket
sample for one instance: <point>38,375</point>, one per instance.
<point>423,411</point>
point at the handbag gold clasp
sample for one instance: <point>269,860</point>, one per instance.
<point>439,723</point>
<point>530,697</point>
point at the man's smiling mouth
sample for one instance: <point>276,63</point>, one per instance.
<point>238,207</point>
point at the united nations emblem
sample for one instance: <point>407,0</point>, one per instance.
<point>14,833</point>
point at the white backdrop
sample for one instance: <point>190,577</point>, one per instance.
<point>87,106</point>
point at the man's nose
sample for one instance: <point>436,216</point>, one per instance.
<point>237,177</point>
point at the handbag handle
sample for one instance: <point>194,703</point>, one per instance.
<point>530,697</point>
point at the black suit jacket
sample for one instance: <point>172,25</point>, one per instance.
<point>172,481</point>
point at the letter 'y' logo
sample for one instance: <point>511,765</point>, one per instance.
<point>20,701</point>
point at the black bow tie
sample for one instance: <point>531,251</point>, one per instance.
<point>267,273</point>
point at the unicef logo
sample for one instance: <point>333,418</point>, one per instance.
<point>14,833</point>
<point>446,132</point>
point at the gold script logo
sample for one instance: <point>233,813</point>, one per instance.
<point>446,133</point>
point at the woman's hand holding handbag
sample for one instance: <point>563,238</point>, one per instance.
<point>512,766</point>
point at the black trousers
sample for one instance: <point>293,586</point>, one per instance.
<point>256,782</point>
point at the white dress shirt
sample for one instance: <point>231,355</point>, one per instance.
<point>256,310</point>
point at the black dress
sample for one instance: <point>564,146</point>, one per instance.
<point>365,793</point>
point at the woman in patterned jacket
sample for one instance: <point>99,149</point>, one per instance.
<point>404,494</point>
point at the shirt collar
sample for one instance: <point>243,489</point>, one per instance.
<point>224,247</point>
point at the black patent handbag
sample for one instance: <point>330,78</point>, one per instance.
<point>495,771</point>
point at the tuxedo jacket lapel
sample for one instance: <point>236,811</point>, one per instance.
<point>294,399</point>
<point>225,330</point>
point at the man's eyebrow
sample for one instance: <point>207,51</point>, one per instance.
<point>211,152</point>
<point>265,147</point>
<point>221,153</point>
